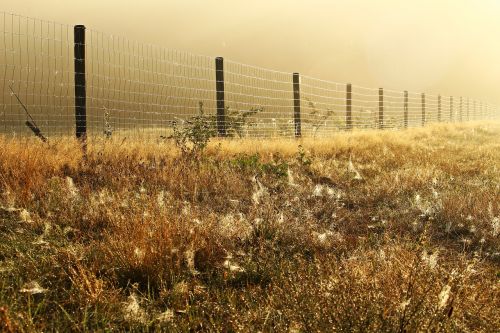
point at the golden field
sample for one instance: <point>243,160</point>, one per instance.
<point>369,231</point>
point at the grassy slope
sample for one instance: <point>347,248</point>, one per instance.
<point>293,239</point>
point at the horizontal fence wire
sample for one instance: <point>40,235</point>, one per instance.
<point>36,64</point>
<point>140,90</point>
<point>259,102</point>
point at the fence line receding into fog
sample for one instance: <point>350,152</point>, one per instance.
<point>61,80</point>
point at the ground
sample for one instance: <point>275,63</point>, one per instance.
<point>366,231</point>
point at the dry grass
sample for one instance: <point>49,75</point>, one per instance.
<point>366,231</point>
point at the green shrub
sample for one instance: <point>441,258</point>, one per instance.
<point>193,137</point>
<point>253,163</point>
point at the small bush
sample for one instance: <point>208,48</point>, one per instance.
<point>193,137</point>
<point>237,120</point>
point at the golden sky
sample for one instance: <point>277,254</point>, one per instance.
<point>437,46</point>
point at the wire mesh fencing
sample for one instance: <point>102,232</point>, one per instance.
<point>59,79</point>
<point>36,60</point>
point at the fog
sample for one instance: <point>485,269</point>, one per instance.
<point>449,47</point>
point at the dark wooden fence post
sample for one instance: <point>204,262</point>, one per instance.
<point>296,105</point>
<point>405,109</point>
<point>80,86</point>
<point>451,108</point>
<point>219,86</point>
<point>439,108</point>
<point>348,107</point>
<point>423,110</point>
<point>381,108</point>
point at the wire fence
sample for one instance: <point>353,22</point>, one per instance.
<point>59,79</point>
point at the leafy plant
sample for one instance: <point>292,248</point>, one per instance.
<point>302,157</point>
<point>195,133</point>
<point>253,162</point>
<point>237,120</point>
<point>193,137</point>
<point>317,118</point>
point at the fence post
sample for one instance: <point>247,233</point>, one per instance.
<point>461,110</point>
<point>475,107</point>
<point>219,86</point>
<point>439,108</point>
<point>381,108</point>
<point>80,86</point>
<point>423,109</point>
<point>451,108</point>
<point>468,109</point>
<point>296,105</point>
<point>348,105</point>
<point>405,109</point>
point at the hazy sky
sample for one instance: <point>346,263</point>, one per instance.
<point>439,46</point>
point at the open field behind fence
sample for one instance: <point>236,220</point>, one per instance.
<point>119,86</point>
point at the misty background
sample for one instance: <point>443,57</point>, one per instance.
<point>448,47</point>
<point>441,47</point>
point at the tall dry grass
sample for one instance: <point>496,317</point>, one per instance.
<point>367,231</point>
